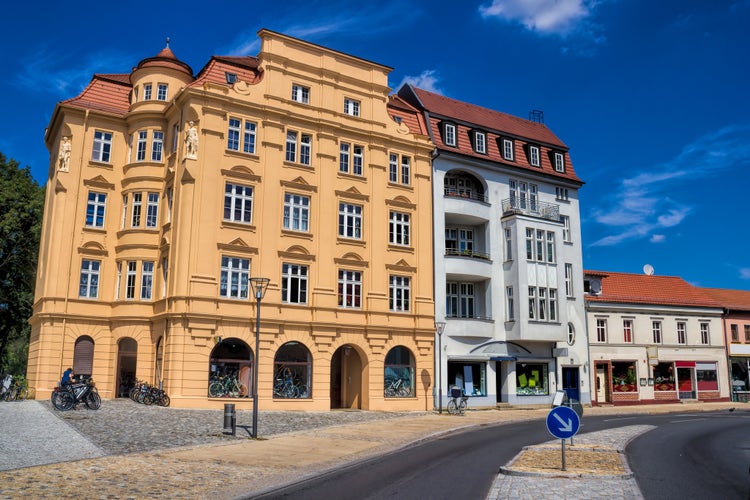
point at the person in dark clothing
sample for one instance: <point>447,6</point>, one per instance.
<point>67,376</point>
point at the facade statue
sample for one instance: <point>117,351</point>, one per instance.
<point>63,157</point>
<point>191,141</point>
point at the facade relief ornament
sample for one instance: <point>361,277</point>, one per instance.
<point>191,141</point>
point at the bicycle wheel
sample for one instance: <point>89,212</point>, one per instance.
<point>462,407</point>
<point>452,408</point>
<point>164,400</point>
<point>93,401</point>
<point>216,390</point>
<point>63,400</point>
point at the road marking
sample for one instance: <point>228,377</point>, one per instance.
<point>687,420</point>
<point>621,418</point>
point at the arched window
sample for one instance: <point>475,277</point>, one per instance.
<point>399,373</point>
<point>83,356</point>
<point>571,334</point>
<point>292,370</point>
<point>229,370</point>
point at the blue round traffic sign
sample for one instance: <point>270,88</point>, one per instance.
<point>563,422</point>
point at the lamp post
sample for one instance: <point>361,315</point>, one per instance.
<point>259,287</point>
<point>439,327</point>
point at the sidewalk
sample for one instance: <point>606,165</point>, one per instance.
<point>241,466</point>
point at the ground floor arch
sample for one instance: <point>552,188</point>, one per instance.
<point>346,378</point>
<point>127,361</point>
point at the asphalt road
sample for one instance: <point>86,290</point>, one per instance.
<point>689,456</point>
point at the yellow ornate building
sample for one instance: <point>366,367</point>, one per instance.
<point>168,191</point>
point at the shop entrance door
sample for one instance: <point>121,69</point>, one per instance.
<point>127,359</point>
<point>685,384</point>
<point>571,385</point>
<point>346,378</point>
<point>602,382</point>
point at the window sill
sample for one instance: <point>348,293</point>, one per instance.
<point>297,234</point>
<point>248,226</point>
<point>400,248</point>
<point>341,240</point>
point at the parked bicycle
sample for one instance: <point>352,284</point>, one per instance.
<point>396,387</point>
<point>148,394</point>
<point>67,396</point>
<point>14,388</point>
<point>286,386</point>
<point>458,402</point>
<point>226,387</point>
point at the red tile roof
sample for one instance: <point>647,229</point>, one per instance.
<point>469,117</point>
<point>408,114</point>
<point>649,289</point>
<point>734,300</point>
<point>246,69</point>
<point>107,93</point>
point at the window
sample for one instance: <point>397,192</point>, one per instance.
<point>508,244</point>
<point>398,293</point>
<point>664,377</point>
<point>351,107</point>
<point>135,216</point>
<point>229,369</point>
<point>238,203</point>
<point>304,145</point>
<point>747,333</point>
<point>141,145</point>
<point>130,277</point>
<point>405,170</point>
<point>161,92</point>
<point>230,77</point>
<point>508,149</point>
<point>351,158</point>
<point>480,142</point>
<point>566,228</point>
<point>119,281</point>
<point>292,368</point>
<point>157,145</point>
<point>459,300</point>
<point>550,250</point>
<point>350,289</point>
<point>627,331</point>
<point>399,228</point>
<point>656,331</point>
<point>681,332</point>
<point>624,376</point>
<point>449,130</point>
<point>393,167</point>
<point>459,241</point>
<point>399,380</point>
<point>470,378</point>
<point>152,209</point>
<point>300,94</point>
<point>531,379</point>
<point>705,374</point>
<point>523,196</point>
<point>89,284</point>
<point>164,276</point>
<point>147,91</point>
<point>571,334</point>
<point>532,302</point>
<point>350,221</point>
<point>559,162</point>
<point>542,304</point>
<point>294,284</point>
<point>561,193</point>
<point>235,274</point>
<point>509,309</point>
<point>95,209</point>
<point>704,334</point>
<point>170,196</point>
<point>601,330</point>
<point>569,280</point>
<point>147,279</point>
<point>735,333</point>
<point>241,136</point>
<point>534,155</point>
<point>102,146</point>
<point>296,212</point>
<point>540,245</point>
<point>175,137</point>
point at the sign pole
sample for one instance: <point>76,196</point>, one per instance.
<point>563,453</point>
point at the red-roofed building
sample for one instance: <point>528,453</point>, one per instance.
<point>653,339</point>
<point>736,324</point>
<point>507,259</point>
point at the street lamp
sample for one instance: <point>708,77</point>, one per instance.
<point>439,327</point>
<point>259,286</point>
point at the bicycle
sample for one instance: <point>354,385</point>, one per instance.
<point>287,387</point>
<point>396,388</point>
<point>458,403</point>
<point>227,387</point>
<point>15,388</point>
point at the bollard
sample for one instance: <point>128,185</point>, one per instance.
<point>230,419</point>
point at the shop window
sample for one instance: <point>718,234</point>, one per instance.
<point>531,379</point>
<point>623,376</point>
<point>471,377</point>
<point>664,377</point>
<point>705,373</point>
<point>399,373</point>
<point>292,370</point>
<point>229,370</point>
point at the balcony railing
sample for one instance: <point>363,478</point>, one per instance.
<point>455,252</point>
<point>467,316</point>
<point>469,195</point>
<point>524,206</point>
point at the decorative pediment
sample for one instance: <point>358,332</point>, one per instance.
<point>353,194</point>
<point>351,259</point>
<point>93,248</point>
<point>401,266</point>
<point>238,245</point>
<point>241,172</point>
<point>99,182</point>
<point>401,202</point>
<point>300,184</point>
<point>296,252</point>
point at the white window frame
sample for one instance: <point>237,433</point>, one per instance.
<point>460,300</point>
<point>350,221</point>
<point>96,208</point>
<point>393,168</point>
<point>235,277</point>
<point>561,193</point>
<point>350,289</point>
<point>534,156</point>
<point>508,150</point>
<point>136,210</point>
<point>238,203</point>
<point>566,228</point>
<point>300,93</point>
<point>102,149</point>
<point>627,331</point>
<point>294,279</point>
<point>241,135</point>
<point>351,107</point>
<point>298,142</point>
<point>296,212</point>
<point>344,157</point>
<point>601,330</point>
<point>157,145</point>
<point>358,159</point>
<point>131,276</point>
<point>147,91</point>
<point>508,243</point>
<point>405,170</point>
<point>568,279</point>
<point>449,130</point>
<point>509,305</point>
<point>399,293</point>
<point>682,332</point>
<point>399,228</point>
<point>705,334</point>
<point>656,332</point>
<point>480,142</point>
<point>88,287</point>
<point>162,91</point>
<point>141,145</point>
<point>147,279</point>
<point>559,162</point>
<point>152,209</point>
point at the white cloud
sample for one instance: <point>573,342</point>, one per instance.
<point>555,17</point>
<point>745,273</point>
<point>427,80</point>
<point>645,205</point>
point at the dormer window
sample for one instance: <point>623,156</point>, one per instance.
<point>559,162</point>
<point>480,142</point>
<point>449,132</point>
<point>534,155</point>
<point>231,77</point>
<point>300,94</point>
<point>508,150</point>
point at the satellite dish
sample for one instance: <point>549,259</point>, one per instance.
<point>648,269</point>
<point>596,286</point>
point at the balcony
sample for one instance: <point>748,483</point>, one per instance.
<point>455,252</point>
<point>533,208</point>
<point>465,194</point>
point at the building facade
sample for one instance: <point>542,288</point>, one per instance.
<point>507,256</point>
<point>736,326</point>
<point>653,339</point>
<point>167,192</point>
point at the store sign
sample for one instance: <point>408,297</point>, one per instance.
<point>652,351</point>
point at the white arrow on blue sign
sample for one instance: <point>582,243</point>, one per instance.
<point>563,422</point>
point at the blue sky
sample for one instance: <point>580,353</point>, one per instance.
<point>650,96</point>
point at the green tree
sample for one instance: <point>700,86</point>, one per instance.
<point>21,209</point>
